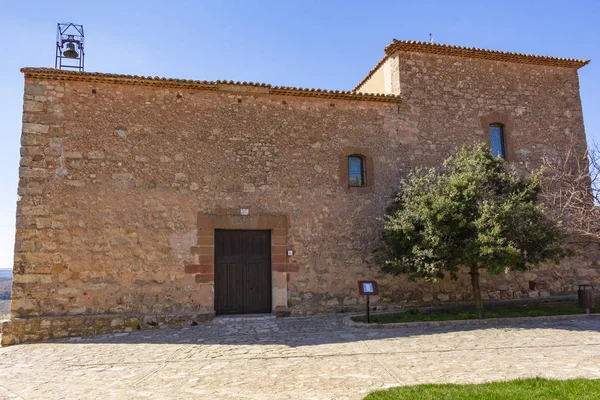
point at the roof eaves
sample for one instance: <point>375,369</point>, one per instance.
<point>472,52</point>
<point>264,88</point>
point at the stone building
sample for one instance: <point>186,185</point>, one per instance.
<point>149,201</point>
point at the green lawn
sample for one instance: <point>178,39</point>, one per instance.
<point>522,389</point>
<point>492,311</point>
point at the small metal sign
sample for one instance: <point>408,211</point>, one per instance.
<point>244,211</point>
<point>368,288</point>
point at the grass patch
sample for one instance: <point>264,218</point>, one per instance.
<point>522,389</point>
<point>492,311</point>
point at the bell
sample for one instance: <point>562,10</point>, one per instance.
<point>70,51</point>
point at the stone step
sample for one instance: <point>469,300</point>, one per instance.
<point>224,319</point>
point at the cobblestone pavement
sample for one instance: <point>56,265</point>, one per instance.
<point>293,358</point>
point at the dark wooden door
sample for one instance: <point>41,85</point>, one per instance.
<point>242,272</point>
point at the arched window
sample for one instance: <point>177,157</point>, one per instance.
<point>356,170</point>
<point>497,140</point>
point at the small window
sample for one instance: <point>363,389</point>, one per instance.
<point>356,170</point>
<point>497,140</point>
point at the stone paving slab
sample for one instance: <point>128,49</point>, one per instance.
<point>293,358</point>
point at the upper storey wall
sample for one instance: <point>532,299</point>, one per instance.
<point>452,100</point>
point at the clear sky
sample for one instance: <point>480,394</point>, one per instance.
<point>309,43</point>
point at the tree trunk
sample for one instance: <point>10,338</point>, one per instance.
<point>476,291</point>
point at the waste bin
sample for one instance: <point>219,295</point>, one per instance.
<point>585,296</point>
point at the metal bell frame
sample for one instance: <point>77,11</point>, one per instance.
<point>70,46</point>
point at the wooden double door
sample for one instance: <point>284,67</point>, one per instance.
<point>242,272</point>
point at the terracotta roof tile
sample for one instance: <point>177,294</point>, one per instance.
<point>472,52</point>
<point>51,73</point>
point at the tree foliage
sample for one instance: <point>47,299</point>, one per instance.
<point>475,212</point>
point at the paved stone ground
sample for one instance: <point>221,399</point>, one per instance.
<point>293,358</point>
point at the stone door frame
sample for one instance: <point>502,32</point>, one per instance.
<point>204,269</point>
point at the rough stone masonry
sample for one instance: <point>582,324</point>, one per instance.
<point>124,180</point>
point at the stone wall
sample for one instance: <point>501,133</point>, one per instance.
<point>19,330</point>
<point>115,179</point>
<point>452,100</point>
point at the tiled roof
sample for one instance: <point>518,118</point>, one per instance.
<point>472,52</point>
<point>251,87</point>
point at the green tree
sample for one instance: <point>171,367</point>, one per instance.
<point>475,212</point>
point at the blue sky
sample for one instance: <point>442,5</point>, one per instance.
<point>324,44</point>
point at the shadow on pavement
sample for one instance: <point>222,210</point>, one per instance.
<point>310,331</point>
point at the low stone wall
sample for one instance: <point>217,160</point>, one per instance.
<point>22,330</point>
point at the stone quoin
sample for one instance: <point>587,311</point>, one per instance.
<point>124,181</point>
